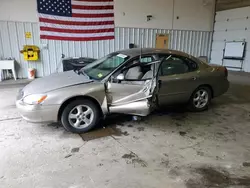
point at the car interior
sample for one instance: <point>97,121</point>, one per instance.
<point>137,73</point>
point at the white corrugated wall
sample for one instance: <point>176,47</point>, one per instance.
<point>231,25</point>
<point>12,39</point>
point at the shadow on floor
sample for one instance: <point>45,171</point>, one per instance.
<point>211,177</point>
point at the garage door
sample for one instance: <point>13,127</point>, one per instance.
<point>231,25</point>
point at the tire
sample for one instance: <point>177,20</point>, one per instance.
<point>80,116</point>
<point>202,95</point>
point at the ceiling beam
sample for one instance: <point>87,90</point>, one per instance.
<point>231,4</point>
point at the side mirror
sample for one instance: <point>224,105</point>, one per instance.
<point>120,77</point>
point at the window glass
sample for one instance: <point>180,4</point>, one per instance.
<point>192,65</point>
<point>146,59</point>
<point>102,67</point>
<point>173,65</point>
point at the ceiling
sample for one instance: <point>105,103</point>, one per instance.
<point>230,4</point>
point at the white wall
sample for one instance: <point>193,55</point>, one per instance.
<point>133,13</point>
<point>193,14</point>
<point>231,25</point>
<point>18,10</point>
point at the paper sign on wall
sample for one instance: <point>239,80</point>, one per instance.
<point>28,35</point>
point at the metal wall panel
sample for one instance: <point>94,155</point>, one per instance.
<point>12,39</point>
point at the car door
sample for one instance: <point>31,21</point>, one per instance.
<point>178,77</point>
<point>131,96</point>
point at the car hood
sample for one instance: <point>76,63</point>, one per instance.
<point>55,81</point>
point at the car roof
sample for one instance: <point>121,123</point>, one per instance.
<point>144,51</point>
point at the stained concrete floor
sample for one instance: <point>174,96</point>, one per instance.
<point>170,148</point>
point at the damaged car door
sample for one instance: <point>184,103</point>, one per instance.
<point>132,90</point>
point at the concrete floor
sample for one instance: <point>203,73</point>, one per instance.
<point>165,150</point>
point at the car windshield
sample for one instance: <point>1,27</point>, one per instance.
<point>100,68</point>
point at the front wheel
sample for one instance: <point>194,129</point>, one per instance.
<point>80,116</point>
<point>200,99</point>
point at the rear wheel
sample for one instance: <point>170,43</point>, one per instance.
<point>200,99</point>
<point>80,116</point>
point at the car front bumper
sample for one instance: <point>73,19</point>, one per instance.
<point>38,113</point>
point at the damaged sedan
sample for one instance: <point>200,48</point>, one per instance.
<point>134,81</point>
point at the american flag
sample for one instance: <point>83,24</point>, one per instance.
<point>76,20</point>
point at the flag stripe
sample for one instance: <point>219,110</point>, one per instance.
<point>92,3</point>
<point>46,20</point>
<point>78,27</point>
<point>76,30</point>
<point>76,20</point>
<point>65,18</point>
<point>84,7</point>
<point>92,15</point>
<point>84,35</point>
<point>76,38</point>
<point>104,11</point>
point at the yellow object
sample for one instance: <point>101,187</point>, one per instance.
<point>28,35</point>
<point>100,75</point>
<point>162,41</point>
<point>30,52</point>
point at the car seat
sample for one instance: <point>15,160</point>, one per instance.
<point>149,74</point>
<point>134,73</point>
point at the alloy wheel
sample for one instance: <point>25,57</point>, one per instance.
<point>201,98</point>
<point>81,116</point>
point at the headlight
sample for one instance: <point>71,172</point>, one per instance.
<point>34,99</point>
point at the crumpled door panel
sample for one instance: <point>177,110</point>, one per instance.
<point>131,98</point>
